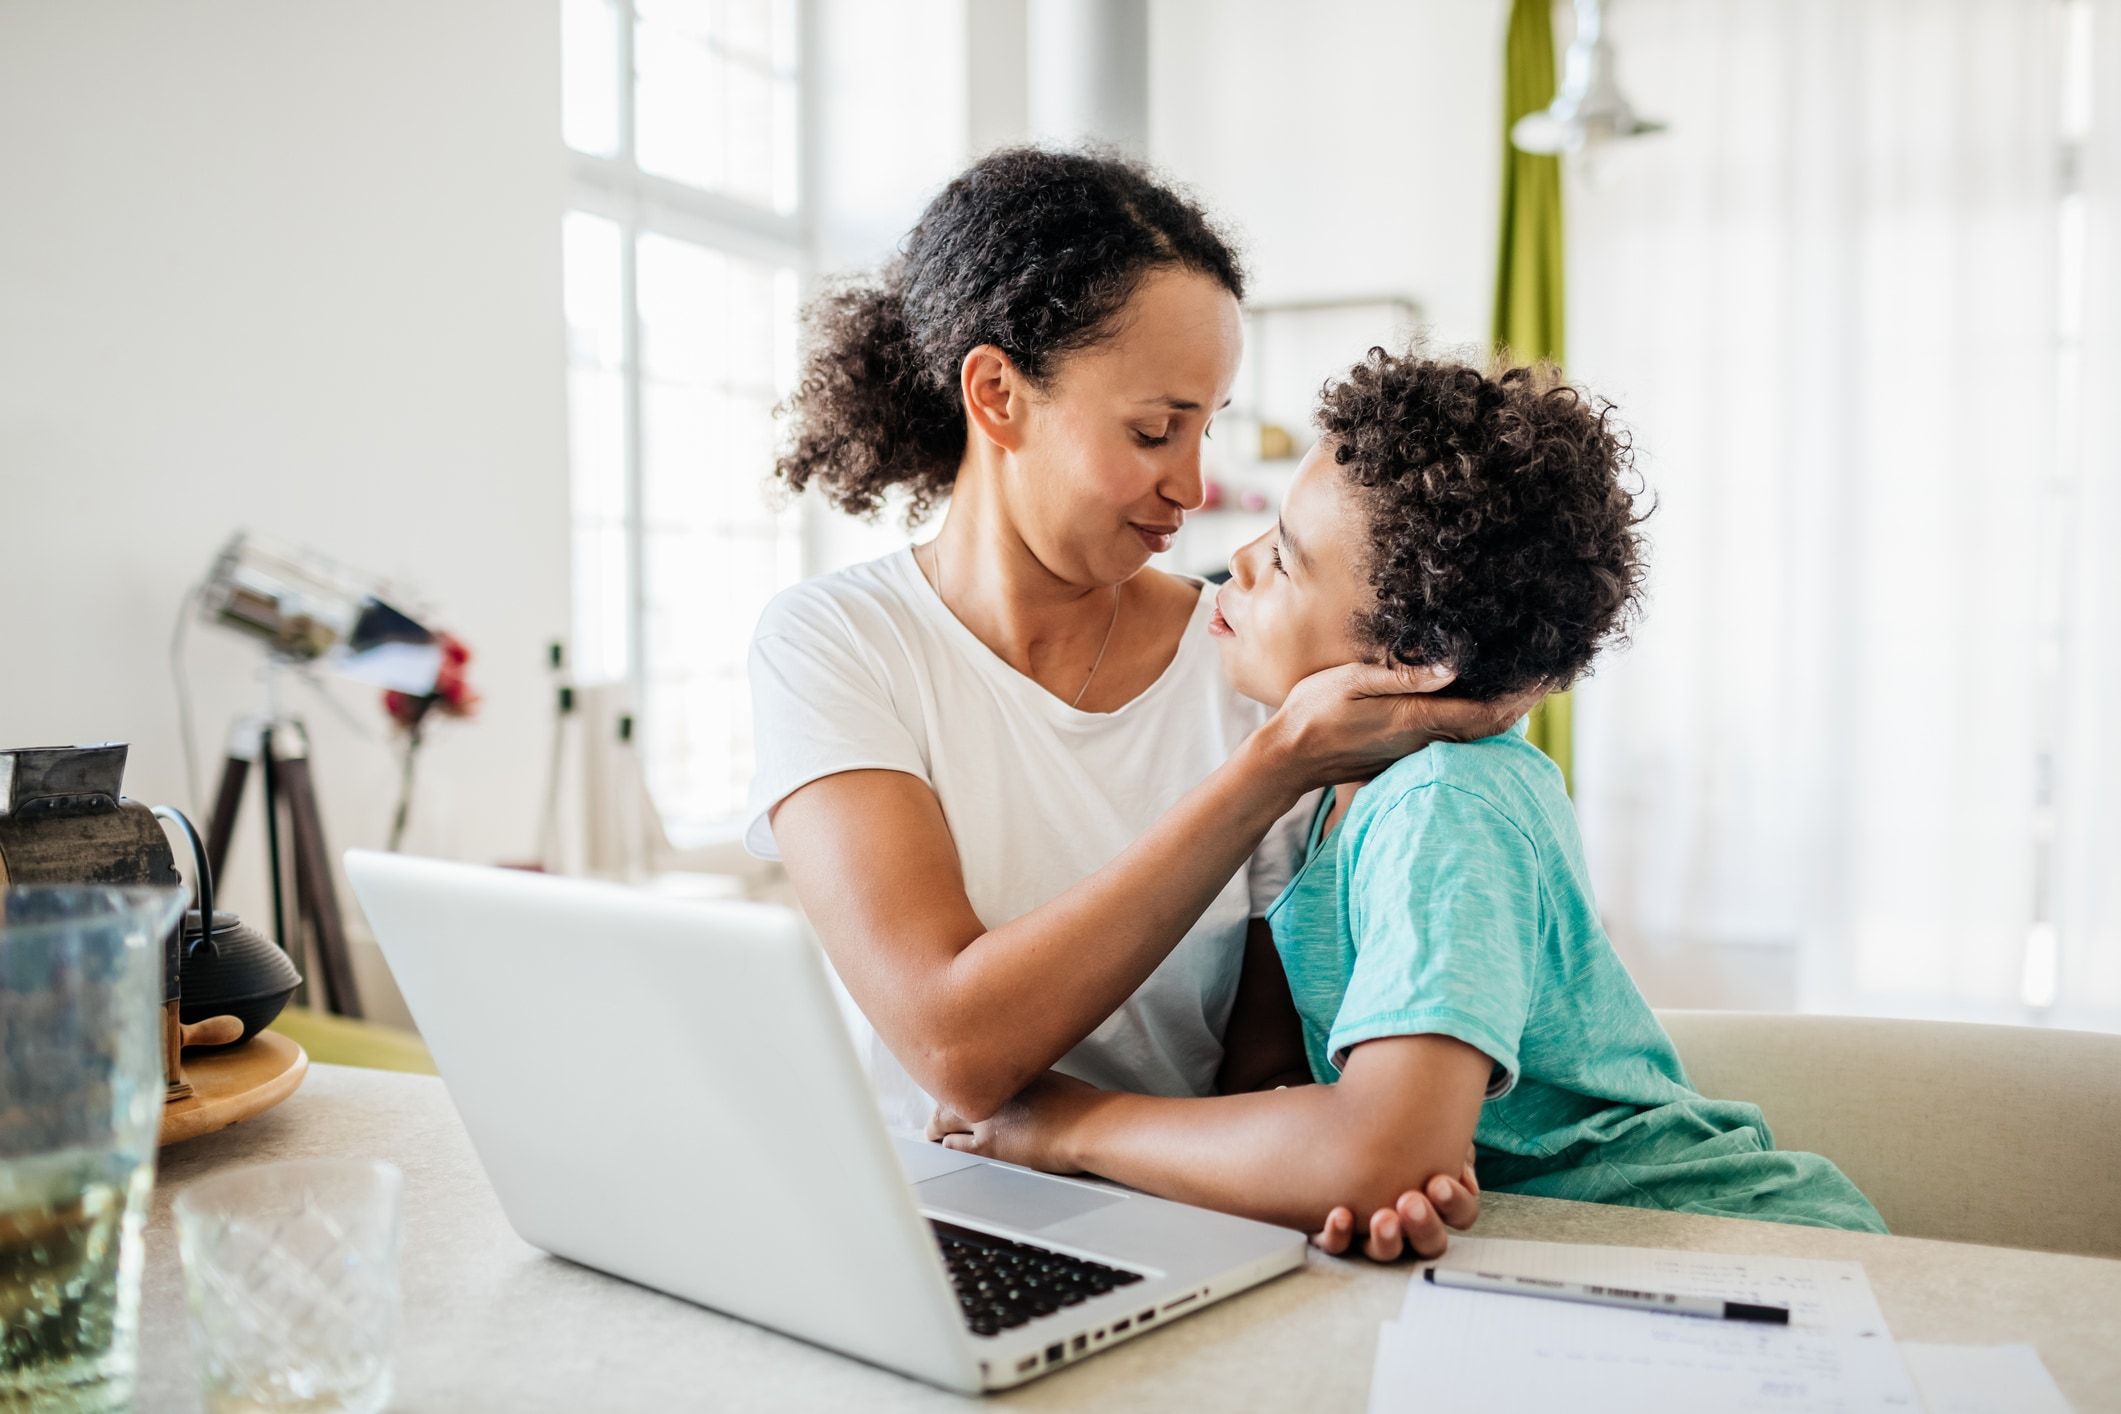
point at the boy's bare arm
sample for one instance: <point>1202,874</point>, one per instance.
<point>1404,1105</point>
<point>1263,1049</point>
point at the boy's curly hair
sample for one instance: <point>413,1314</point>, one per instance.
<point>1503,536</point>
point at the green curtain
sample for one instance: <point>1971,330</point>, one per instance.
<point>1528,267</point>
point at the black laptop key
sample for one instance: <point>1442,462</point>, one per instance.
<point>1003,1284</point>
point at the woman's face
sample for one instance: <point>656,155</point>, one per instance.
<point>1295,593</point>
<point>1110,462</point>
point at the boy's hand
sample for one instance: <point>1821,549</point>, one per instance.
<point>1030,1130</point>
<point>1416,1223</point>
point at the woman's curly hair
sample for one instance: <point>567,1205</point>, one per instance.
<point>1503,537</point>
<point>1032,251</point>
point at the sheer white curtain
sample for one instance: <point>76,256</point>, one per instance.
<point>2088,905</point>
<point>1829,303</point>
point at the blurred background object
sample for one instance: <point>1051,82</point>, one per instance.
<point>65,821</point>
<point>304,609</point>
<point>1589,109</point>
<point>309,615</point>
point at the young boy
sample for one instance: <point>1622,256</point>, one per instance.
<point>1442,948</point>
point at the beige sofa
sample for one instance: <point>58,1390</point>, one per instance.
<point>2007,1135</point>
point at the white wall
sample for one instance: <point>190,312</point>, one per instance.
<point>1355,145</point>
<point>293,266</point>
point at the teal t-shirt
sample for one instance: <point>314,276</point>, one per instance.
<point>1452,899</point>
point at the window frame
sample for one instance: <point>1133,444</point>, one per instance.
<point>639,203</point>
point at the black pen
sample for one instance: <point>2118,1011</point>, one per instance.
<point>1706,1306</point>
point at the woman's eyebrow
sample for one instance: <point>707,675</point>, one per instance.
<point>1179,404</point>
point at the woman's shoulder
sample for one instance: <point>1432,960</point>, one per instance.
<point>1180,606</point>
<point>841,602</point>
<point>1177,604</point>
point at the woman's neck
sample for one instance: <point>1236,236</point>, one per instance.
<point>989,576</point>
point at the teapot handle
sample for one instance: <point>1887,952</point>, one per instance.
<point>202,878</point>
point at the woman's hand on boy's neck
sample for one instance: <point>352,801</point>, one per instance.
<point>1352,722</point>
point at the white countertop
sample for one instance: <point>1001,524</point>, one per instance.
<point>491,1323</point>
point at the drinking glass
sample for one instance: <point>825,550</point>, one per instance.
<point>290,1271</point>
<point>80,1105</point>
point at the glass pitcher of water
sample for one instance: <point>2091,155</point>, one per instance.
<point>80,1105</point>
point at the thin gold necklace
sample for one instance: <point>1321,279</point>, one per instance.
<point>935,553</point>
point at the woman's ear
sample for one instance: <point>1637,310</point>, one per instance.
<point>995,396</point>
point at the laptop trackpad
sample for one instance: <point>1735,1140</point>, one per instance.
<point>1009,1198</point>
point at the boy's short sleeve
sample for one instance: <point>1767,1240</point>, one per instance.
<point>1443,906</point>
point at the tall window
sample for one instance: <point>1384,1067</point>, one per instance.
<point>681,253</point>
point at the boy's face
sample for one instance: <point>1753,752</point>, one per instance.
<point>1277,624</point>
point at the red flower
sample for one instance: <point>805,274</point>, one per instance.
<point>452,694</point>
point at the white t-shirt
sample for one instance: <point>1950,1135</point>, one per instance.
<point>867,669</point>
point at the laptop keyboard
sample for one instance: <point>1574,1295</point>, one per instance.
<point>1003,1284</point>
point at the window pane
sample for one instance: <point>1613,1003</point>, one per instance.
<point>600,603</point>
<point>682,294</point>
<point>787,140</point>
<point>784,37</point>
<point>751,434</point>
<point>677,543</point>
<point>705,595</point>
<point>747,30</point>
<point>744,579</point>
<point>761,32</point>
<point>692,18</point>
<point>682,437</point>
<point>596,436</point>
<point>786,320</point>
<point>589,76</point>
<point>678,105</point>
<point>750,326</point>
<point>750,129</point>
<point>596,442</point>
<point>699,734</point>
<point>717,341</point>
<point>715,96</point>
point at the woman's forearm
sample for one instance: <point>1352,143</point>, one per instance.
<point>1034,987</point>
<point>975,1013</point>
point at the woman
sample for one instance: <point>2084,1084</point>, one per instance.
<point>1019,803</point>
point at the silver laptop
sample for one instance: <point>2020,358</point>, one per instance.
<point>664,1090</point>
